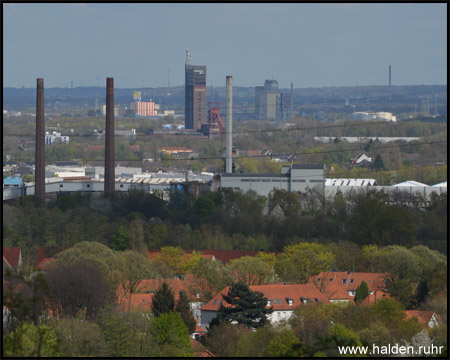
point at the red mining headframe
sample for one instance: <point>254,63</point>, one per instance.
<point>109,145</point>
<point>39,184</point>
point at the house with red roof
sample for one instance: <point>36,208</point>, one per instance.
<point>429,318</point>
<point>148,287</point>
<point>199,350</point>
<point>284,298</point>
<point>341,286</point>
<point>46,255</point>
<point>12,257</point>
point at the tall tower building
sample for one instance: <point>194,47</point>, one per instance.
<point>195,94</point>
<point>268,101</point>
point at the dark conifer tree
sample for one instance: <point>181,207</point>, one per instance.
<point>245,306</point>
<point>362,291</point>
<point>183,308</point>
<point>163,300</point>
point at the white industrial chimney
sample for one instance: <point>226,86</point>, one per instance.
<point>229,128</point>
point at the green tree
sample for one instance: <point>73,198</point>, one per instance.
<point>172,256</point>
<point>288,201</point>
<point>163,301</point>
<point>184,309</point>
<point>204,206</point>
<point>250,270</point>
<point>120,240</point>
<point>120,337</point>
<point>30,340</point>
<point>245,306</point>
<point>78,337</point>
<point>170,335</point>
<point>362,291</point>
<point>136,268</point>
<point>90,253</point>
<point>282,343</point>
<point>137,235</point>
<point>210,277</point>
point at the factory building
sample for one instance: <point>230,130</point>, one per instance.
<point>144,108</point>
<point>296,177</point>
<point>116,110</point>
<point>195,94</point>
<point>267,101</point>
<point>367,116</point>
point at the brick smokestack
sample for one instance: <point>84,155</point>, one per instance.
<point>39,185</point>
<point>109,145</point>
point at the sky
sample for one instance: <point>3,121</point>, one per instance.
<point>144,45</point>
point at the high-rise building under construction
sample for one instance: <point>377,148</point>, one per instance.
<point>195,94</point>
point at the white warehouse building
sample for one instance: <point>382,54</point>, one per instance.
<point>367,116</point>
<point>296,177</point>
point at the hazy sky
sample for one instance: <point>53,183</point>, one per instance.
<point>311,45</point>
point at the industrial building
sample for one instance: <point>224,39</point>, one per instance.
<point>296,177</point>
<point>144,108</point>
<point>271,104</point>
<point>195,94</point>
<point>267,100</point>
<point>367,116</point>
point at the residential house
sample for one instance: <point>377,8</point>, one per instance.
<point>12,258</point>
<point>45,256</point>
<point>341,286</point>
<point>361,160</point>
<point>199,350</point>
<point>148,287</point>
<point>429,318</point>
<point>284,298</point>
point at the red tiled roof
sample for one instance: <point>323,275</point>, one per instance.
<point>199,329</point>
<point>276,292</point>
<point>371,299</point>
<point>5,260</point>
<point>47,252</point>
<point>375,281</point>
<point>138,302</point>
<point>45,262</point>
<point>149,286</point>
<point>423,316</point>
<point>12,255</point>
<point>199,350</point>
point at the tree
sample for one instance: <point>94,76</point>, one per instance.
<point>169,333</point>
<point>245,307</point>
<point>30,340</point>
<point>250,270</point>
<point>120,240</point>
<point>172,256</point>
<point>421,294</point>
<point>210,277</point>
<point>163,301</point>
<point>120,337</point>
<point>184,309</point>
<point>282,343</point>
<point>137,235</point>
<point>136,268</point>
<point>93,254</point>
<point>80,338</point>
<point>76,287</point>
<point>204,206</point>
<point>288,201</point>
<point>362,291</point>
<point>378,164</point>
